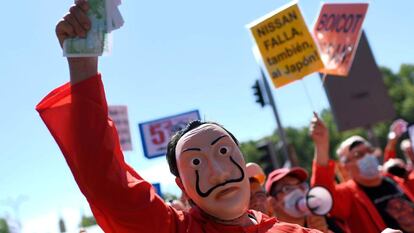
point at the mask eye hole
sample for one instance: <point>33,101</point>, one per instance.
<point>224,150</point>
<point>195,162</point>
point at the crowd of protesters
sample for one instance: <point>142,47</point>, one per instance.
<point>372,198</point>
<point>221,193</point>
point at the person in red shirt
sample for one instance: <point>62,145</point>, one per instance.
<point>258,198</point>
<point>396,167</point>
<point>205,158</point>
<point>285,186</point>
<point>407,149</point>
<point>392,164</point>
<point>369,201</point>
<point>397,129</point>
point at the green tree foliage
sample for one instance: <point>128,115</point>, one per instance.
<point>401,91</point>
<point>4,227</point>
<point>169,196</point>
<point>299,139</point>
<point>250,152</point>
<point>87,221</point>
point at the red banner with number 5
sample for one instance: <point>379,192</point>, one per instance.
<point>156,134</point>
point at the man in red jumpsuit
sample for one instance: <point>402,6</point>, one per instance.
<point>205,158</point>
<point>369,202</point>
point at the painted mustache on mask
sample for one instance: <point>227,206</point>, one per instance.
<point>206,194</point>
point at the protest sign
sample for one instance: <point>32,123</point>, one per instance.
<point>156,134</point>
<point>157,187</point>
<point>119,115</point>
<point>337,32</point>
<point>287,48</point>
<point>363,92</point>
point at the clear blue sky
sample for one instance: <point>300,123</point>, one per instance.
<point>170,57</point>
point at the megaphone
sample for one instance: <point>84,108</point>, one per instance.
<point>317,201</point>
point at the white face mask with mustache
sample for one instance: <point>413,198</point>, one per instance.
<point>212,172</point>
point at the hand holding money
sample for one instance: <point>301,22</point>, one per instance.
<point>76,24</point>
<point>83,34</point>
<point>92,39</point>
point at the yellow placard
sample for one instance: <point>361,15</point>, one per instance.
<point>287,48</point>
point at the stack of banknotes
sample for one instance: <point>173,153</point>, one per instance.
<point>105,17</point>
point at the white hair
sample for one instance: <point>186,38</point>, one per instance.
<point>344,150</point>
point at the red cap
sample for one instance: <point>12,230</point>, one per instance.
<point>279,174</point>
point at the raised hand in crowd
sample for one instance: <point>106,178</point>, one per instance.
<point>76,24</point>
<point>320,136</point>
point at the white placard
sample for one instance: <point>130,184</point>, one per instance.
<point>119,115</point>
<point>156,134</point>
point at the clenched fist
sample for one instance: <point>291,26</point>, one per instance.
<point>318,131</point>
<point>320,136</point>
<point>75,23</point>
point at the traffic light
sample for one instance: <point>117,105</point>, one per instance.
<point>257,91</point>
<point>267,157</point>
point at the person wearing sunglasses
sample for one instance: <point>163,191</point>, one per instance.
<point>369,200</point>
<point>407,148</point>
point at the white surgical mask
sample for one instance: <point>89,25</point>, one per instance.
<point>368,166</point>
<point>292,200</point>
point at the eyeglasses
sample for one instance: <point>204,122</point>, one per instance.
<point>357,155</point>
<point>289,188</point>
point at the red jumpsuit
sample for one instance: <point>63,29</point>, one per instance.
<point>121,201</point>
<point>351,204</point>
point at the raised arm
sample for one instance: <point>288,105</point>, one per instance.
<point>397,128</point>
<point>320,136</point>
<point>76,115</point>
<point>323,171</point>
<point>76,23</point>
